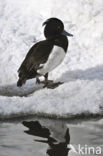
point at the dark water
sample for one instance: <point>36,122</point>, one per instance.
<point>83,133</point>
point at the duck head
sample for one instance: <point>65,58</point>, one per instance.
<point>54,27</point>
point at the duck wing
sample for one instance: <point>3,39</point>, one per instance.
<point>37,55</point>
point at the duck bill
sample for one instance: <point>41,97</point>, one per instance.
<point>67,34</point>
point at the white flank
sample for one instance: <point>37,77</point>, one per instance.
<point>56,57</point>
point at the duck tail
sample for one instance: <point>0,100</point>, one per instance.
<point>23,76</point>
<point>20,82</point>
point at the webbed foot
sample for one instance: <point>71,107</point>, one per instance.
<point>52,85</point>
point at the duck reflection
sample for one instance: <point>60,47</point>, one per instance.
<point>55,148</point>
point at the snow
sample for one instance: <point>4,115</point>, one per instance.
<point>81,70</point>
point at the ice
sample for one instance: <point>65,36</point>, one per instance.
<point>81,70</point>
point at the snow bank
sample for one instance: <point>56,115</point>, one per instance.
<point>82,69</point>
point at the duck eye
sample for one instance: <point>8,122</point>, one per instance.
<point>58,27</point>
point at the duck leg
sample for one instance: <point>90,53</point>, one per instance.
<point>50,84</point>
<point>38,81</point>
<point>45,80</point>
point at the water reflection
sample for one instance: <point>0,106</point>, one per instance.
<point>55,148</point>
